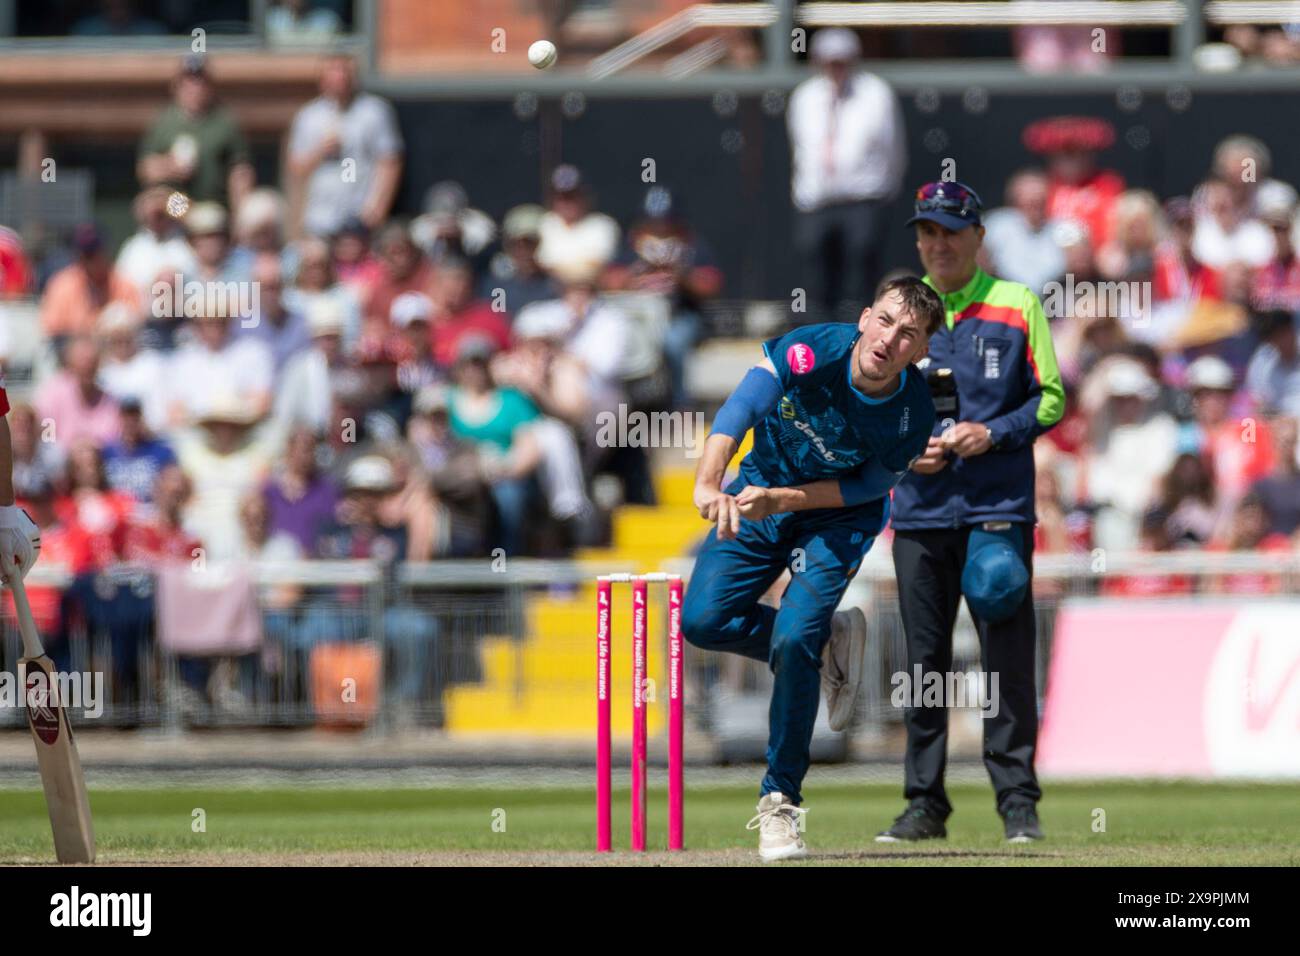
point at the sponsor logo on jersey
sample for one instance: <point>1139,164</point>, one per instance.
<point>787,408</point>
<point>906,420</point>
<point>800,358</point>
<point>816,439</point>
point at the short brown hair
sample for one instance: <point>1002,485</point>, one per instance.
<point>918,298</point>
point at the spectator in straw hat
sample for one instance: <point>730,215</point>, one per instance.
<point>215,363</point>
<point>226,461</point>
<point>208,229</point>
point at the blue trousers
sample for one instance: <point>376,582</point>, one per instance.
<point>721,612</point>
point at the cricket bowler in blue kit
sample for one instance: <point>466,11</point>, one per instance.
<point>839,413</point>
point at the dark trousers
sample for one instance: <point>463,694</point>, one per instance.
<point>839,249</point>
<point>928,565</point>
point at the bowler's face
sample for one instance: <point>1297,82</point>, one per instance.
<point>892,337</point>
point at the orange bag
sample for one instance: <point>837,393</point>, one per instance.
<point>346,683</point>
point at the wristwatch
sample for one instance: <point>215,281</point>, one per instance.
<point>992,439</point>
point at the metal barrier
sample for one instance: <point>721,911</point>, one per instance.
<point>427,626</point>
<point>1057,579</point>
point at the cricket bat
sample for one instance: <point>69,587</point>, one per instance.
<point>56,751</point>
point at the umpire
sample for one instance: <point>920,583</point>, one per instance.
<point>964,518</point>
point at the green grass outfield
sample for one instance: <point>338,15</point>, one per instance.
<point>1158,824</point>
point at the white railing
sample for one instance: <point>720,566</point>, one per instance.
<point>1137,13</point>
<point>1226,12</point>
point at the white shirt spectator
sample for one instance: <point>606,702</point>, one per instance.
<point>593,238</point>
<point>1019,253</point>
<point>367,132</point>
<point>305,395</point>
<point>1250,242</point>
<point>221,482</point>
<point>600,338</point>
<point>1274,382</point>
<point>143,377</point>
<point>241,369</point>
<point>303,301</point>
<point>144,256</point>
<point>847,150</point>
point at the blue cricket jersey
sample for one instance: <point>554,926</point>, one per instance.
<point>824,428</point>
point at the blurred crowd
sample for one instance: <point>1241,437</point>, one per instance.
<point>297,372</point>
<point>1174,320</point>
<point>252,377</point>
<point>471,357</point>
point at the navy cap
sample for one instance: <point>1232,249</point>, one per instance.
<point>194,64</point>
<point>566,179</point>
<point>995,578</point>
<point>952,205</point>
<point>87,238</point>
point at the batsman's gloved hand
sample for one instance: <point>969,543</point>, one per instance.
<point>20,540</point>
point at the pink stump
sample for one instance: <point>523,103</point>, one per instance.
<point>604,841</point>
<point>638,712</point>
<point>676,691</point>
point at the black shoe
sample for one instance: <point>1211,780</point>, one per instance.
<point>914,823</point>
<point>1021,823</point>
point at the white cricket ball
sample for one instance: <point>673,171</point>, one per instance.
<point>542,54</point>
<point>177,205</point>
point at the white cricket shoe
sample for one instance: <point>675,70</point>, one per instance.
<point>842,665</point>
<point>777,824</point>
